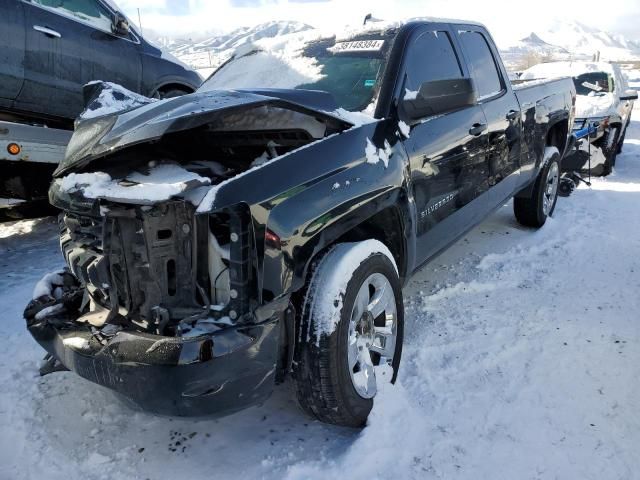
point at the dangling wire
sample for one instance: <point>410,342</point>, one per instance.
<point>589,150</point>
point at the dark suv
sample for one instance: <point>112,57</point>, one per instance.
<point>51,48</point>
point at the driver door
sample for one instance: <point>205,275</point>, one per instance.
<point>69,43</point>
<point>447,152</point>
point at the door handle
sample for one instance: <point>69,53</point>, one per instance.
<point>512,115</point>
<point>47,31</point>
<point>477,129</point>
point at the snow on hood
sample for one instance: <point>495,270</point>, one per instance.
<point>595,105</point>
<point>162,182</point>
<point>99,137</point>
<point>112,98</point>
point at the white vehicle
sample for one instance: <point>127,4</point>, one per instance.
<point>603,96</point>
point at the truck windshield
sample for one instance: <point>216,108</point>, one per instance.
<point>350,71</point>
<point>598,82</point>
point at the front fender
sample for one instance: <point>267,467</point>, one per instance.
<point>303,201</point>
<point>319,213</point>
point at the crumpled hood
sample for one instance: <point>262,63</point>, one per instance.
<point>97,137</point>
<point>601,105</point>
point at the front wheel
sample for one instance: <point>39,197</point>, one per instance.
<point>609,145</point>
<point>351,330</point>
<point>533,210</point>
<point>621,141</point>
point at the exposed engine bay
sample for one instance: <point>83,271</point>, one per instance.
<point>131,235</point>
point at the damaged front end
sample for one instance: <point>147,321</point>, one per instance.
<point>138,311</point>
<point>162,300</point>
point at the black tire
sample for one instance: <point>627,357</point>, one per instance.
<point>530,210</point>
<point>609,146</point>
<point>621,141</point>
<point>324,385</point>
<point>171,93</point>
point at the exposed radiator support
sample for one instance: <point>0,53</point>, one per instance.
<point>239,263</point>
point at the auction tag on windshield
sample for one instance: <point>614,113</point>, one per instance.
<point>592,86</point>
<point>357,46</point>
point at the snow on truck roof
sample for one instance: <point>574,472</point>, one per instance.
<point>565,69</point>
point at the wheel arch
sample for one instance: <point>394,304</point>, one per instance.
<point>557,136</point>
<point>387,224</point>
<point>172,85</point>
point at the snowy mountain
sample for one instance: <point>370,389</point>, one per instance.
<point>567,39</point>
<point>582,39</point>
<point>560,39</point>
<point>206,52</point>
<point>530,51</point>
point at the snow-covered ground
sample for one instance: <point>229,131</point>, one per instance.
<point>521,362</point>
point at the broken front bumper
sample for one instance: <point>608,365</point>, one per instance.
<point>216,374</point>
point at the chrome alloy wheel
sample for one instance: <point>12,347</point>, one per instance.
<point>549,195</point>
<point>372,334</point>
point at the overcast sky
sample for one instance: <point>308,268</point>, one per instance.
<point>507,20</point>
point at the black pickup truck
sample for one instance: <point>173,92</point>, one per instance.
<point>220,241</point>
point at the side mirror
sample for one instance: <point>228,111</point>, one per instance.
<point>437,97</point>
<point>629,95</point>
<point>120,25</point>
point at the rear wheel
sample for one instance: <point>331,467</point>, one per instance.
<point>532,211</point>
<point>350,333</point>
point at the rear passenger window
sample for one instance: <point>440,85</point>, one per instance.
<point>431,57</point>
<point>482,64</point>
<point>88,11</point>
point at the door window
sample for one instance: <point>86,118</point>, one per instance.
<point>483,66</point>
<point>431,57</point>
<point>87,11</point>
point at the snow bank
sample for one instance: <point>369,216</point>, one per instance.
<point>162,182</point>
<point>595,105</point>
<point>329,282</point>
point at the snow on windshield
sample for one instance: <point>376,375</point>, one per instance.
<point>349,69</point>
<point>256,67</point>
